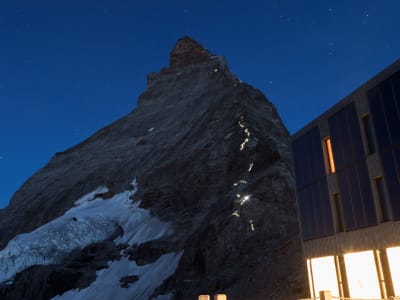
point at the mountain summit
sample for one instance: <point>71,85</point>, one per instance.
<point>190,193</point>
<point>187,51</point>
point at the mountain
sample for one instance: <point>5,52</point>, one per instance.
<point>190,193</point>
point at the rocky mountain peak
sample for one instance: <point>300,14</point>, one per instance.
<point>187,51</point>
<point>190,193</point>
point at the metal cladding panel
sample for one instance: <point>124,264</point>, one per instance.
<point>347,204</point>
<point>391,112</point>
<point>305,219</point>
<point>366,195</point>
<point>337,128</point>
<point>378,117</point>
<point>308,157</point>
<point>325,213</point>
<point>384,101</point>
<point>346,137</point>
<point>354,184</point>
<point>312,187</point>
<point>397,158</point>
<point>355,195</point>
<point>316,208</point>
<point>391,165</point>
<point>356,142</point>
<point>315,211</point>
<point>396,88</point>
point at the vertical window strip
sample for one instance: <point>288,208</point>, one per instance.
<point>329,152</point>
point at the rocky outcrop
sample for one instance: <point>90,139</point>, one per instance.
<point>212,158</point>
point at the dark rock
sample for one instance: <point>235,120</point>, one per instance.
<point>44,282</point>
<point>109,194</point>
<point>149,252</point>
<point>127,280</point>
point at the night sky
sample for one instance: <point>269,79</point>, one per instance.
<point>68,68</point>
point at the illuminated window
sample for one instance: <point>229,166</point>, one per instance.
<point>310,278</point>
<point>362,275</point>
<point>329,153</point>
<point>393,255</point>
<point>324,275</point>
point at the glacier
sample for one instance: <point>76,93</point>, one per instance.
<point>94,219</point>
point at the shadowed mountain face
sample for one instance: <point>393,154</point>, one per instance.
<point>212,160</point>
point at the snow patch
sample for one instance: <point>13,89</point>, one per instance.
<point>107,285</point>
<point>91,196</point>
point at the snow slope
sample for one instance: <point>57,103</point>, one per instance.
<point>107,285</point>
<point>91,220</point>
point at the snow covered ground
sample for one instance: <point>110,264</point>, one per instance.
<point>94,219</point>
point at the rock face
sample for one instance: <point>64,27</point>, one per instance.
<point>212,158</point>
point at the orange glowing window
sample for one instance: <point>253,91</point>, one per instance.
<point>329,153</point>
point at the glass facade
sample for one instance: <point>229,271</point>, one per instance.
<point>362,275</point>
<point>348,178</point>
<point>324,275</point>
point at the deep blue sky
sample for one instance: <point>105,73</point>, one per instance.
<point>68,68</point>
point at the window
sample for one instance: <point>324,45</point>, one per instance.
<point>339,216</point>
<point>383,200</point>
<point>362,275</point>
<point>393,255</point>
<point>324,275</point>
<point>329,153</point>
<point>369,134</point>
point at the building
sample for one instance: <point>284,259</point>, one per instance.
<point>347,167</point>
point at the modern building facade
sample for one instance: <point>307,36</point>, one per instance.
<point>347,167</point>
